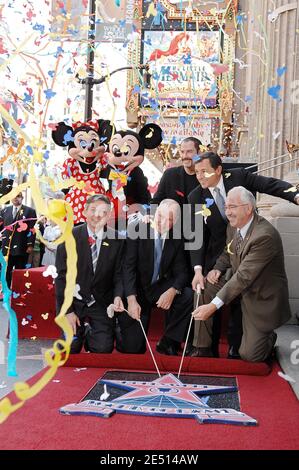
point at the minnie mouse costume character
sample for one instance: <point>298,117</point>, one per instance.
<point>126,152</point>
<point>87,142</point>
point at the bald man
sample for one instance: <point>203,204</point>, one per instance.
<point>156,274</point>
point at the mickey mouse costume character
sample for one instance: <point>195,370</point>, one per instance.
<point>127,182</point>
<point>87,142</point>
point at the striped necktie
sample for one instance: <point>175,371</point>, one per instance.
<point>94,253</point>
<point>239,242</point>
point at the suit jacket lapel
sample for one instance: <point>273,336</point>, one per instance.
<point>228,181</point>
<point>167,253</point>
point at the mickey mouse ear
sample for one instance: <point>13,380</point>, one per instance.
<point>106,130</point>
<point>151,135</point>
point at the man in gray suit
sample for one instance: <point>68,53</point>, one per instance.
<point>254,256</point>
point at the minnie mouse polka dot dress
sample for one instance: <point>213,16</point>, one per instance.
<point>77,197</point>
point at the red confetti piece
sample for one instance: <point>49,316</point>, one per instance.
<point>115,93</point>
<point>179,193</point>
<point>160,86</point>
<point>91,241</point>
<point>53,127</point>
<point>174,75</point>
<point>22,227</point>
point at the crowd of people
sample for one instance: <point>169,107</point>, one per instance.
<point>201,246</point>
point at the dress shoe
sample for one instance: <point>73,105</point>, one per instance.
<point>233,353</point>
<point>167,346</point>
<point>201,352</point>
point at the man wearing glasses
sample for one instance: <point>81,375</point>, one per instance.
<point>214,185</point>
<point>254,253</point>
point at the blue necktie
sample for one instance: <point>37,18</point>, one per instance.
<point>220,202</point>
<point>158,256</point>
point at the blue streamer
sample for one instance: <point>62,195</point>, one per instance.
<point>13,322</point>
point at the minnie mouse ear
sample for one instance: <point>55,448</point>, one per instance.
<point>62,135</point>
<point>151,136</point>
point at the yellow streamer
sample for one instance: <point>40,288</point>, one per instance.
<point>57,211</point>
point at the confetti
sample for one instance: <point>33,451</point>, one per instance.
<point>77,288</point>
<point>281,71</point>
<point>115,93</point>
<point>293,189</point>
<point>209,202</point>
<point>45,316</point>
<point>274,92</point>
<point>205,212</point>
<point>228,248</point>
<point>51,271</point>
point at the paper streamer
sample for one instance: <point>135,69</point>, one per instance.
<point>61,213</point>
<point>13,322</point>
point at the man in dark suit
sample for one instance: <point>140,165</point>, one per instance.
<point>155,274</point>
<point>254,254</point>
<point>99,277</point>
<point>176,183</point>
<point>214,185</point>
<point>18,238</point>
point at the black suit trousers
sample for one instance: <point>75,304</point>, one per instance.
<point>177,318</point>
<point>17,262</point>
<point>98,332</point>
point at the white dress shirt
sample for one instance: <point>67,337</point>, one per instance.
<point>99,235</point>
<point>220,185</point>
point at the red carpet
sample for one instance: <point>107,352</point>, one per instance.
<point>33,300</point>
<point>38,425</point>
<point>168,363</point>
<point>144,362</point>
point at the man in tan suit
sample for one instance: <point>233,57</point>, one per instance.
<point>254,256</point>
